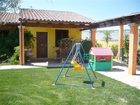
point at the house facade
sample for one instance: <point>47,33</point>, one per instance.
<point>47,26</point>
<point>46,39</point>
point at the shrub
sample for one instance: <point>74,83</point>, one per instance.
<point>114,49</point>
<point>9,40</point>
<point>65,47</point>
<point>14,59</point>
<point>86,45</point>
<point>126,45</point>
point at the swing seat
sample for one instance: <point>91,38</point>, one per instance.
<point>76,66</point>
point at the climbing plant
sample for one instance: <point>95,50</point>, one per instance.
<point>65,47</point>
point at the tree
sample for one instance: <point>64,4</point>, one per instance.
<point>107,36</point>
<point>9,5</point>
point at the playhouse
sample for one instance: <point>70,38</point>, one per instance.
<point>101,59</point>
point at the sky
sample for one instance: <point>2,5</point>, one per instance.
<point>94,9</point>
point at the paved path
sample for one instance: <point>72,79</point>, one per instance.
<point>12,67</point>
<point>120,73</point>
<point>31,65</point>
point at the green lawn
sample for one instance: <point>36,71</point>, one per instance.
<point>34,87</point>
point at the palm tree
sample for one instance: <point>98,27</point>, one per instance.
<point>107,36</point>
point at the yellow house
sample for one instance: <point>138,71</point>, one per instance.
<point>48,27</point>
<point>45,43</point>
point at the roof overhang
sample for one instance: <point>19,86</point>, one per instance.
<point>123,20</point>
<point>54,24</point>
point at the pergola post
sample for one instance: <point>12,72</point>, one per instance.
<point>133,40</point>
<point>120,43</point>
<point>93,37</point>
<point>21,44</point>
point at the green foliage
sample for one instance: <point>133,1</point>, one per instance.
<point>114,49</point>
<point>87,44</point>
<point>28,39</point>
<point>65,47</point>
<point>8,5</point>
<point>126,44</point>
<point>107,36</point>
<point>10,39</point>
<point>14,59</point>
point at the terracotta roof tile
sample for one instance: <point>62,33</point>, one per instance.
<point>9,18</point>
<point>43,15</point>
<point>51,15</point>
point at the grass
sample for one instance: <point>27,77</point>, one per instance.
<point>103,43</point>
<point>34,87</point>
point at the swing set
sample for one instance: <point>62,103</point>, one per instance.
<point>77,63</point>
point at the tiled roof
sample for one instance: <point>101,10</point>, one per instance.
<point>44,16</point>
<point>9,18</point>
<point>51,15</point>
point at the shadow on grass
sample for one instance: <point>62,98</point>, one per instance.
<point>75,85</point>
<point>99,85</point>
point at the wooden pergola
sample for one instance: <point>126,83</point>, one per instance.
<point>133,21</point>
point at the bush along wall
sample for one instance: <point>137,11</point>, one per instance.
<point>9,40</point>
<point>14,59</point>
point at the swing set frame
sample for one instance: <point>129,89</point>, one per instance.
<point>77,48</point>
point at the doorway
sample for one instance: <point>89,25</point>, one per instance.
<point>42,44</point>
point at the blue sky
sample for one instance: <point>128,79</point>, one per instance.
<point>95,9</point>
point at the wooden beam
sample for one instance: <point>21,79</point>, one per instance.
<point>7,27</point>
<point>93,37</point>
<point>133,40</point>
<point>52,25</point>
<point>120,43</point>
<point>21,44</point>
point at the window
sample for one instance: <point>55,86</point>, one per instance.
<point>60,34</point>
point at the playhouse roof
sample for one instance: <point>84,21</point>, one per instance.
<point>101,51</point>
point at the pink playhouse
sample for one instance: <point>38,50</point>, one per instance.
<point>101,59</point>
